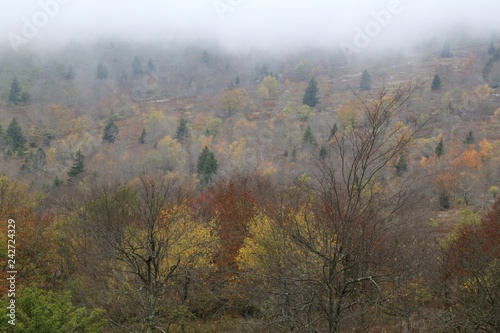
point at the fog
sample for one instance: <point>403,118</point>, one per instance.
<point>244,24</point>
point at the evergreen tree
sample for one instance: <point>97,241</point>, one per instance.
<point>311,95</point>
<point>15,138</point>
<point>70,74</point>
<point>110,131</point>
<point>333,131</point>
<point>440,148</point>
<point>492,48</point>
<point>446,51</point>
<point>137,67</point>
<point>401,166</point>
<point>469,139</point>
<point>102,72</point>
<point>322,152</point>
<point>294,154</point>
<point>207,166</point>
<point>78,165</point>
<point>15,94</point>
<point>365,84</point>
<point>308,138</point>
<point>3,139</point>
<point>142,138</point>
<point>150,66</point>
<point>206,58</point>
<point>237,81</point>
<point>436,83</point>
<point>182,131</point>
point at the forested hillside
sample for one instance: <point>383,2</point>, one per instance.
<point>187,188</point>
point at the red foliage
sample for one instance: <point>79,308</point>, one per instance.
<point>476,246</point>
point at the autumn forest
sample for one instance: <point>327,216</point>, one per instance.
<point>188,188</point>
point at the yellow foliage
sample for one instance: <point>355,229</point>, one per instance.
<point>266,168</point>
<point>268,88</point>
<point>351,113</point>
<point>235,99</point>
<point>486,149</point>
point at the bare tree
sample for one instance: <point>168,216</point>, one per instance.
<point>339,233</point>
<point>140,243</point>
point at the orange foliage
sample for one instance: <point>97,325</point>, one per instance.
<point>470,159</point>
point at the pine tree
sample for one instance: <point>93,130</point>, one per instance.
<point>207,166</point>
<point>440,148</point>
<point>436,83</point>
<point>182,131</point>
<point>323,152</point>
<point>70,74</point>
<point>137,67</point>
<point>446,51</point>
<point>15,94</point>
<point>15,138</point>
<point>333,131</point>
<point>308,138</point>
<point>142,138</point>
<point>311,95</point>
<point>150,66</point>
<point>102,72</point>
<point>365,84</point>
<point>3,139</point>
<point>110,131</point>
<point>78,165</point>
<point>401,165</point>
<point>469,139</point>
<point>206,58</point>
<point>294,154</point>
<point>492,48</point>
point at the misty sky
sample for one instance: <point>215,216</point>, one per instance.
<point>240,23</point>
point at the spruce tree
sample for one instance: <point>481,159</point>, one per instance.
<point>3,139</point>
<point>323,152</point>
<point>102,72</point>
<point>308,138</point>
<point>446,51</point>
<point>311,95</point>
<point>469,139</point>
<point>436,83</point>
<point>207,166</point>
<point>365,84</point>
<point>401,165</point>
<point>142,138</point>
<point>110,131</point>
<point>150,66</point>
<point>439,148</point>
<point>70,74</point>
<point>333,131</point>
<point>182,131</point>
<point>15,94</point>
<point>15,138</point>
<point>78,165</point>
<point>137,67</point>
<point>492,48</point>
